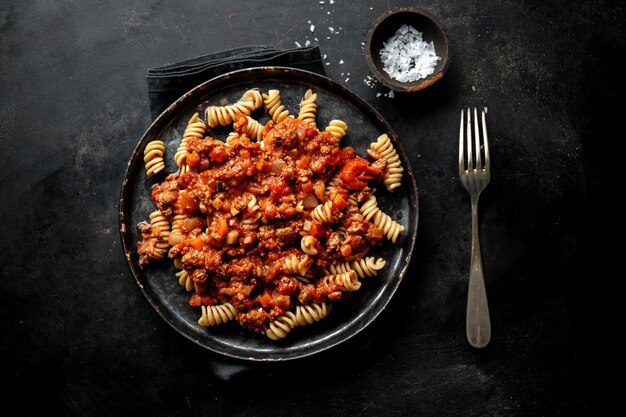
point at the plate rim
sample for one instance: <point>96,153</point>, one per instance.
<point>164,118</point>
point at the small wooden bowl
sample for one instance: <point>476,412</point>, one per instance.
<point>385,26</point>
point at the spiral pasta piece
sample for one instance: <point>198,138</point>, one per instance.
<point>371,211</point>
<point>253,95</point>
<point>184,279</point>
<point>280,327</point>
<point>390,227</point>
<point>219,314</point>
<point>231,136</point>
<point>177,234</point>
<point>323,212</point>
<point>274,106</point>
<point>347,280</point>
<point>160,221</point>
<point>295,265</point>
<point>308,108</point>
<point>364,267</point>
<point>225,115</point>
<point>161,229</point>
<point>369,208</point>
<point>309,314</point>
<point>308,245</point>
<point>383,149</point>
<point>337,128</point>
<point>196,128</point>
<point>253,129</point>
<point>353,200</point>
<point>153,157</point>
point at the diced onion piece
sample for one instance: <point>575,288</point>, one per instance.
<point>320,190</point>
<point>277,166</point>
<point>192,223</point>
<point>175,238</point>
<point>245,289</point>
<point>231,237</point>
<point>300,132</point>
<point>309,201</point>
<point>307,226</point>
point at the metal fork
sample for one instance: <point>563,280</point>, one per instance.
<point>475,173</point>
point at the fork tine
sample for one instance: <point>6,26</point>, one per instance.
<point>486,142</point>
<point>461,147</point>
<point>470,157</point>
<point>479,164</point>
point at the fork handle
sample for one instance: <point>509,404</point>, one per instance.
<point>478,324</point>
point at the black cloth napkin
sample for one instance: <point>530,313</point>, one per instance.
<point>169,82</point>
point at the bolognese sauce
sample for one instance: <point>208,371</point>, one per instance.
<point>244,207</point>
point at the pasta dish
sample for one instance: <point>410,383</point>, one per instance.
<point>271,226</point>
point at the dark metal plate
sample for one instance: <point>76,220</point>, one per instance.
<point>158,282</point>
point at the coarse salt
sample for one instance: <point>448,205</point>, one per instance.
<point>406,57</point>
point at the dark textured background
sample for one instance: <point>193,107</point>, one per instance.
<point>77,336</point>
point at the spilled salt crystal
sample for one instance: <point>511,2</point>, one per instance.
<point>406,57</point>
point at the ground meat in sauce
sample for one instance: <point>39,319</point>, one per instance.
<point>246,199</point>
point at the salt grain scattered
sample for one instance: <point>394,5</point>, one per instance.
<point>298,44</point>
<point>312,28</point>
<point>341,61</point>
<point>307,43</point>
<point>406,57</point>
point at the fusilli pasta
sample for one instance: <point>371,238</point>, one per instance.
<point>225,115</point>
<point>153,157</point>
<point>274,106</point>
<point>383,148</point>
<point>309,314</point>
<point>390,227</point>
<point>185,280</point>
<point>280,328</point>
<point>307,245</point>
<point>347,280</point>
<point>337,128</point>
<point>219,314</point>
<point>196,128</point>
<point>161,231</point>
<point>297,265</point>
<point>308,108</point>
<point>323,212</point>
<point>364,267</point>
